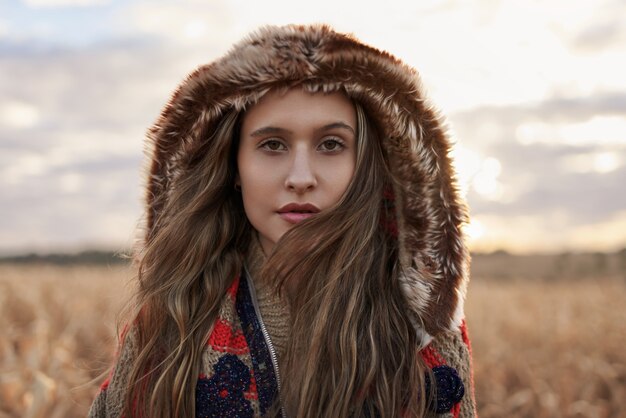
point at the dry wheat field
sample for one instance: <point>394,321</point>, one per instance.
<point>540,349</point>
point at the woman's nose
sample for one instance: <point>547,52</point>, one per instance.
<point>301,176</point>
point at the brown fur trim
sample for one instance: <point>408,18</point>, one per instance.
<point>430,213</point>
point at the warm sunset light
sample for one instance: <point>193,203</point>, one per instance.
<point>486,180</point>
<point>606,162</point>
<point>474,230</point>
<point>467,163</point>
<point>601,162</point>
<point>195,29</point>
<point>598,130</point>
<point>533,94</point>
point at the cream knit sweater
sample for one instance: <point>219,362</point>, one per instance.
<point>274,309</point>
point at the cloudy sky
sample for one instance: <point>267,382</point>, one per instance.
<point>534,91</point>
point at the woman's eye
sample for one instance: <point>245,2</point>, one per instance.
<point>331,145</point>
<point>272,145</point>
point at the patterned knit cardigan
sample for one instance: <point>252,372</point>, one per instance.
<point>237,377</point>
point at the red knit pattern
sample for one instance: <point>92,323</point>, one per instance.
<point>232,290</point>
<point>456,410</point>
<point>465,336</point>
<point>225,339</point>
<point>431,357</point>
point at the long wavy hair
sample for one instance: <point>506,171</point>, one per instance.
<point>352,350</point>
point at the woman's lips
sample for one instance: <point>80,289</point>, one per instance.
<point>295,217</point>
<point>297,212</point>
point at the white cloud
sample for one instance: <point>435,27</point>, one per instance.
<point>512,54</point>
<point>38,4</point>
<point>481,174</point>
<point>28,164</point>
<point>93,144</point>
<point>599,162</point>
<point>598,130</point>
<point>72,148</point>
<point>605,130</point>
<point>4,29</point>
<point>71,182</point>
<point>530,133</point>
<point>185,22</point>
<point>19,115</point>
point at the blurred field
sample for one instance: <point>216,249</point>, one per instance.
<point>56,335</point>
<point>541,348</point>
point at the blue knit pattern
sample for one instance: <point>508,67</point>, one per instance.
<point>449,388</point>
<point>222,394</point>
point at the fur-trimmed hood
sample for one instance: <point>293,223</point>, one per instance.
<point>429,211</point>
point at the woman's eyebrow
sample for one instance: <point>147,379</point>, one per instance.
<point>335,125</point>
<point>270,130</point>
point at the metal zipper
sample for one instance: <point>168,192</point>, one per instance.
<point>266,336</point>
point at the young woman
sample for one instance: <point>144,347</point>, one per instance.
<point>303,253</point>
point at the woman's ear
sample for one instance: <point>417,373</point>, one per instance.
<point>237,182</point>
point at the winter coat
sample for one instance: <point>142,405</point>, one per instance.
<point>429,212</point>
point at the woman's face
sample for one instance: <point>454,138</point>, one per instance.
<point>296,157</point>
